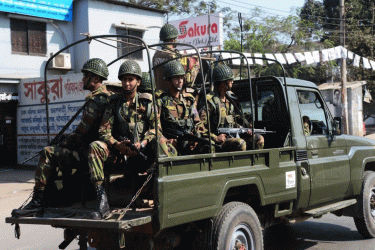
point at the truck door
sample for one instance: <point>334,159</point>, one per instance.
<point>327,154</point>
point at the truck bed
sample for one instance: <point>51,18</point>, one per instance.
<point>75,217</point>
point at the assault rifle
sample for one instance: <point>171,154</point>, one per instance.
<point>134,148</point>
<point>235,132</point>
<point>179,135</point>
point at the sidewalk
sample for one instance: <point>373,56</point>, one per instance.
<point>15,181</point>
<point>15,186</point>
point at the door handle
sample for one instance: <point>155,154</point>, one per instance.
<point>314,153</point>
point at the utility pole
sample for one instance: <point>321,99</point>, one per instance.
<point>344,95</point>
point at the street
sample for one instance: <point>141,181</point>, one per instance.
<point>15,187</point>
<point>329,232</point>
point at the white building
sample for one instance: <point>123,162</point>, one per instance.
<point>30,33</point>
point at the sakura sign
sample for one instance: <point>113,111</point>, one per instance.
<point>201,31</point>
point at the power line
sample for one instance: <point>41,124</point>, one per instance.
<point>262,7</point>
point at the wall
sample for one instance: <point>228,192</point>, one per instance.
<point>355,110</point>
<point>103,15</point>
<point>355,107</point>
<point>81,25</point>
<point>66,96</point>
<point>25,66</point>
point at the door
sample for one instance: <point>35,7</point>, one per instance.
<point>8,130</point>
<point>327,154</point>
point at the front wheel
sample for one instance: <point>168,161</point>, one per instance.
<point>366,222</point>
<point>237,227</point>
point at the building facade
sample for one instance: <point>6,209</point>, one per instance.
<point>30,34</point>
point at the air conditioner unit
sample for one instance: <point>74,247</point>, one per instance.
<point>61,61</point>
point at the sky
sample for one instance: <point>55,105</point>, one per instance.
<point>278,7</point>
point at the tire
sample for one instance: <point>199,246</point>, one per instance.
<point>365,223</point>
<point>237,223</point>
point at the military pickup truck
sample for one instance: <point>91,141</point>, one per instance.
<point>225,200</point>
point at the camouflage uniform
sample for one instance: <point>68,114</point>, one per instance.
<point>306,125</point>
<point>136,123</point>
<point>180,114</point>
<point>69,153</point>
<point>222,116</point>
<point>190,64</point>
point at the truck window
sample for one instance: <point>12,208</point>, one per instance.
<point>313,116</point>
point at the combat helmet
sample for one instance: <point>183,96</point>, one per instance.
<point>145,85</point>
<point>129,67</point>
<point>222,73</point>
<point>173,68</point>
<point>168,31</point>
<point>96,66</point>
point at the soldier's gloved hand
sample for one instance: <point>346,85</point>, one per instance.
<point>220,138</point>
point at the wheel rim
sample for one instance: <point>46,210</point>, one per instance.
<point>372,202</point>
<point>242,235</point>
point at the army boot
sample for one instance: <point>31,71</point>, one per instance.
<point>33,208</point>
<point>102,207</point>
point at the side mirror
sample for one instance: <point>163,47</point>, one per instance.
<point>336,125</point>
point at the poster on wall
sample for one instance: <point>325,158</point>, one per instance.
<point>65,97</point>
<point>201,31</point>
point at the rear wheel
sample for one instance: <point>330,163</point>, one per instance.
<point>366,222</point>
<point>237,227</point>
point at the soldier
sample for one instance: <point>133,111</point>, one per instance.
<point>68,153</point>
<point>169,33</point>
<point>222,113</point>
<point>177,108</point>
<point>306,125</point>
<point>129,119</point>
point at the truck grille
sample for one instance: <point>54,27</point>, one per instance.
<point>301,155</point>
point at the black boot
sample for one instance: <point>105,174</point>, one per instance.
<point>102,207</point>
<point>33,208</point>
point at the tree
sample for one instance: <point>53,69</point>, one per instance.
<point>359,30</point>
<point>262,34</point>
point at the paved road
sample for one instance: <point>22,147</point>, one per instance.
<point>327,233</point>
<point>15,187</point>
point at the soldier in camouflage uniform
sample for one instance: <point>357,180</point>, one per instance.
<point>177,109</point>
<point>128,119</point>
<point>223,115</point>
<point>306,125</point>
<point>169,33</point>
<point>70,151</point>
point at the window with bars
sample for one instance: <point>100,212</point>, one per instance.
<point>126,45</point>
<point>28,37</point>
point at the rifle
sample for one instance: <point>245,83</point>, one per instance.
<point>235,132</point>
<point>133,148</point>
<point>179,135</point>
<point>57,138</point>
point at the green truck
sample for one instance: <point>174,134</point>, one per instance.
<point>225,200</point>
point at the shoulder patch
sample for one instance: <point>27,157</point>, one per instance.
<point>146,96</point>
